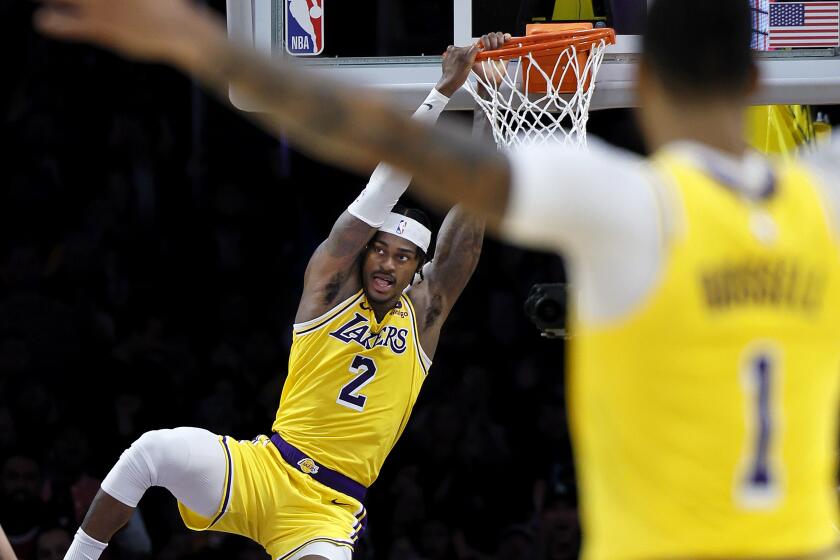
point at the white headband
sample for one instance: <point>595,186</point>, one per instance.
<point>408,229</point>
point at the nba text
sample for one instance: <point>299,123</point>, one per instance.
<point>300,43</point>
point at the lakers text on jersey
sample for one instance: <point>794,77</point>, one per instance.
<point>351,387</point>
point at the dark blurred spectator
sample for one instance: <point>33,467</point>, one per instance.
<point>403,549</point>
<point>36,408</point>
<point>22,511</point>
<point>8,432</point>
<point>409,506</point>
<point>516,543</point>
<point>558,531</point>
<point>435,541</point>
<point>52,544</point>
<point>68,477</point>
<point>132,542</point>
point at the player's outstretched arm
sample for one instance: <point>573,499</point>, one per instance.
<point>332,267</point>
<point>457,251</point>
<point>339,124</point>
<point>459,242</point>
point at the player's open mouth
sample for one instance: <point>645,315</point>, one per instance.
<point>382,282</point>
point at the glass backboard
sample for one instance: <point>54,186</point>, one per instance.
<point>395,45</point>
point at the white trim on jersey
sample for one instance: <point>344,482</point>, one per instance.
<point>423,358</point>
<point>325,318</point>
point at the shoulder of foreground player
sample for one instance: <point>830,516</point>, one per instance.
<point>558,193</point>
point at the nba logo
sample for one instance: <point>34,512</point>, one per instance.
<point>401,226</point>
<point>304,27</point>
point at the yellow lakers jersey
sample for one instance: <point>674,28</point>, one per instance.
<point>351,386</point>
<point>705,422</point>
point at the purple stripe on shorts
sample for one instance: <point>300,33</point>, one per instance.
<point>361,524</point>
<point>328,477</point>
<point>358,533</point>
<point>229,483</point>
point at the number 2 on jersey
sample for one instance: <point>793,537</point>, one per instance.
<point>364,369</point>
<point>759,483</point>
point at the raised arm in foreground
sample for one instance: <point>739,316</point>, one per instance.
<point>459,242</point>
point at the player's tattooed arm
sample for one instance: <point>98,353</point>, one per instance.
<point>348,127</point>
<point>332,266</point>
<point>457,252</point>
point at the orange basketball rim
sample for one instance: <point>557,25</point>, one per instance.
<point>551,46</point>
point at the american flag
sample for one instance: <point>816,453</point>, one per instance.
<point>804,24</point>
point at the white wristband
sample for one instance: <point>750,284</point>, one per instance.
<point>387,184</point>
<point>431,108</point>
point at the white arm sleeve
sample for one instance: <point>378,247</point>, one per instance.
<point>387,184</point>
<point>599,209</point>
<point>572,201</point>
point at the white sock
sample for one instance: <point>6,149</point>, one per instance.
<point>84,547</point>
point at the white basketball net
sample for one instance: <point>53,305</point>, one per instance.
<point>519,118</point>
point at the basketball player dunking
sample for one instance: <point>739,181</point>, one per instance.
<point>365,332</point>
<point>703,380</point>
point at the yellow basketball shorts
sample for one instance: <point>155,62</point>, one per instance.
<point>276,505</point>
